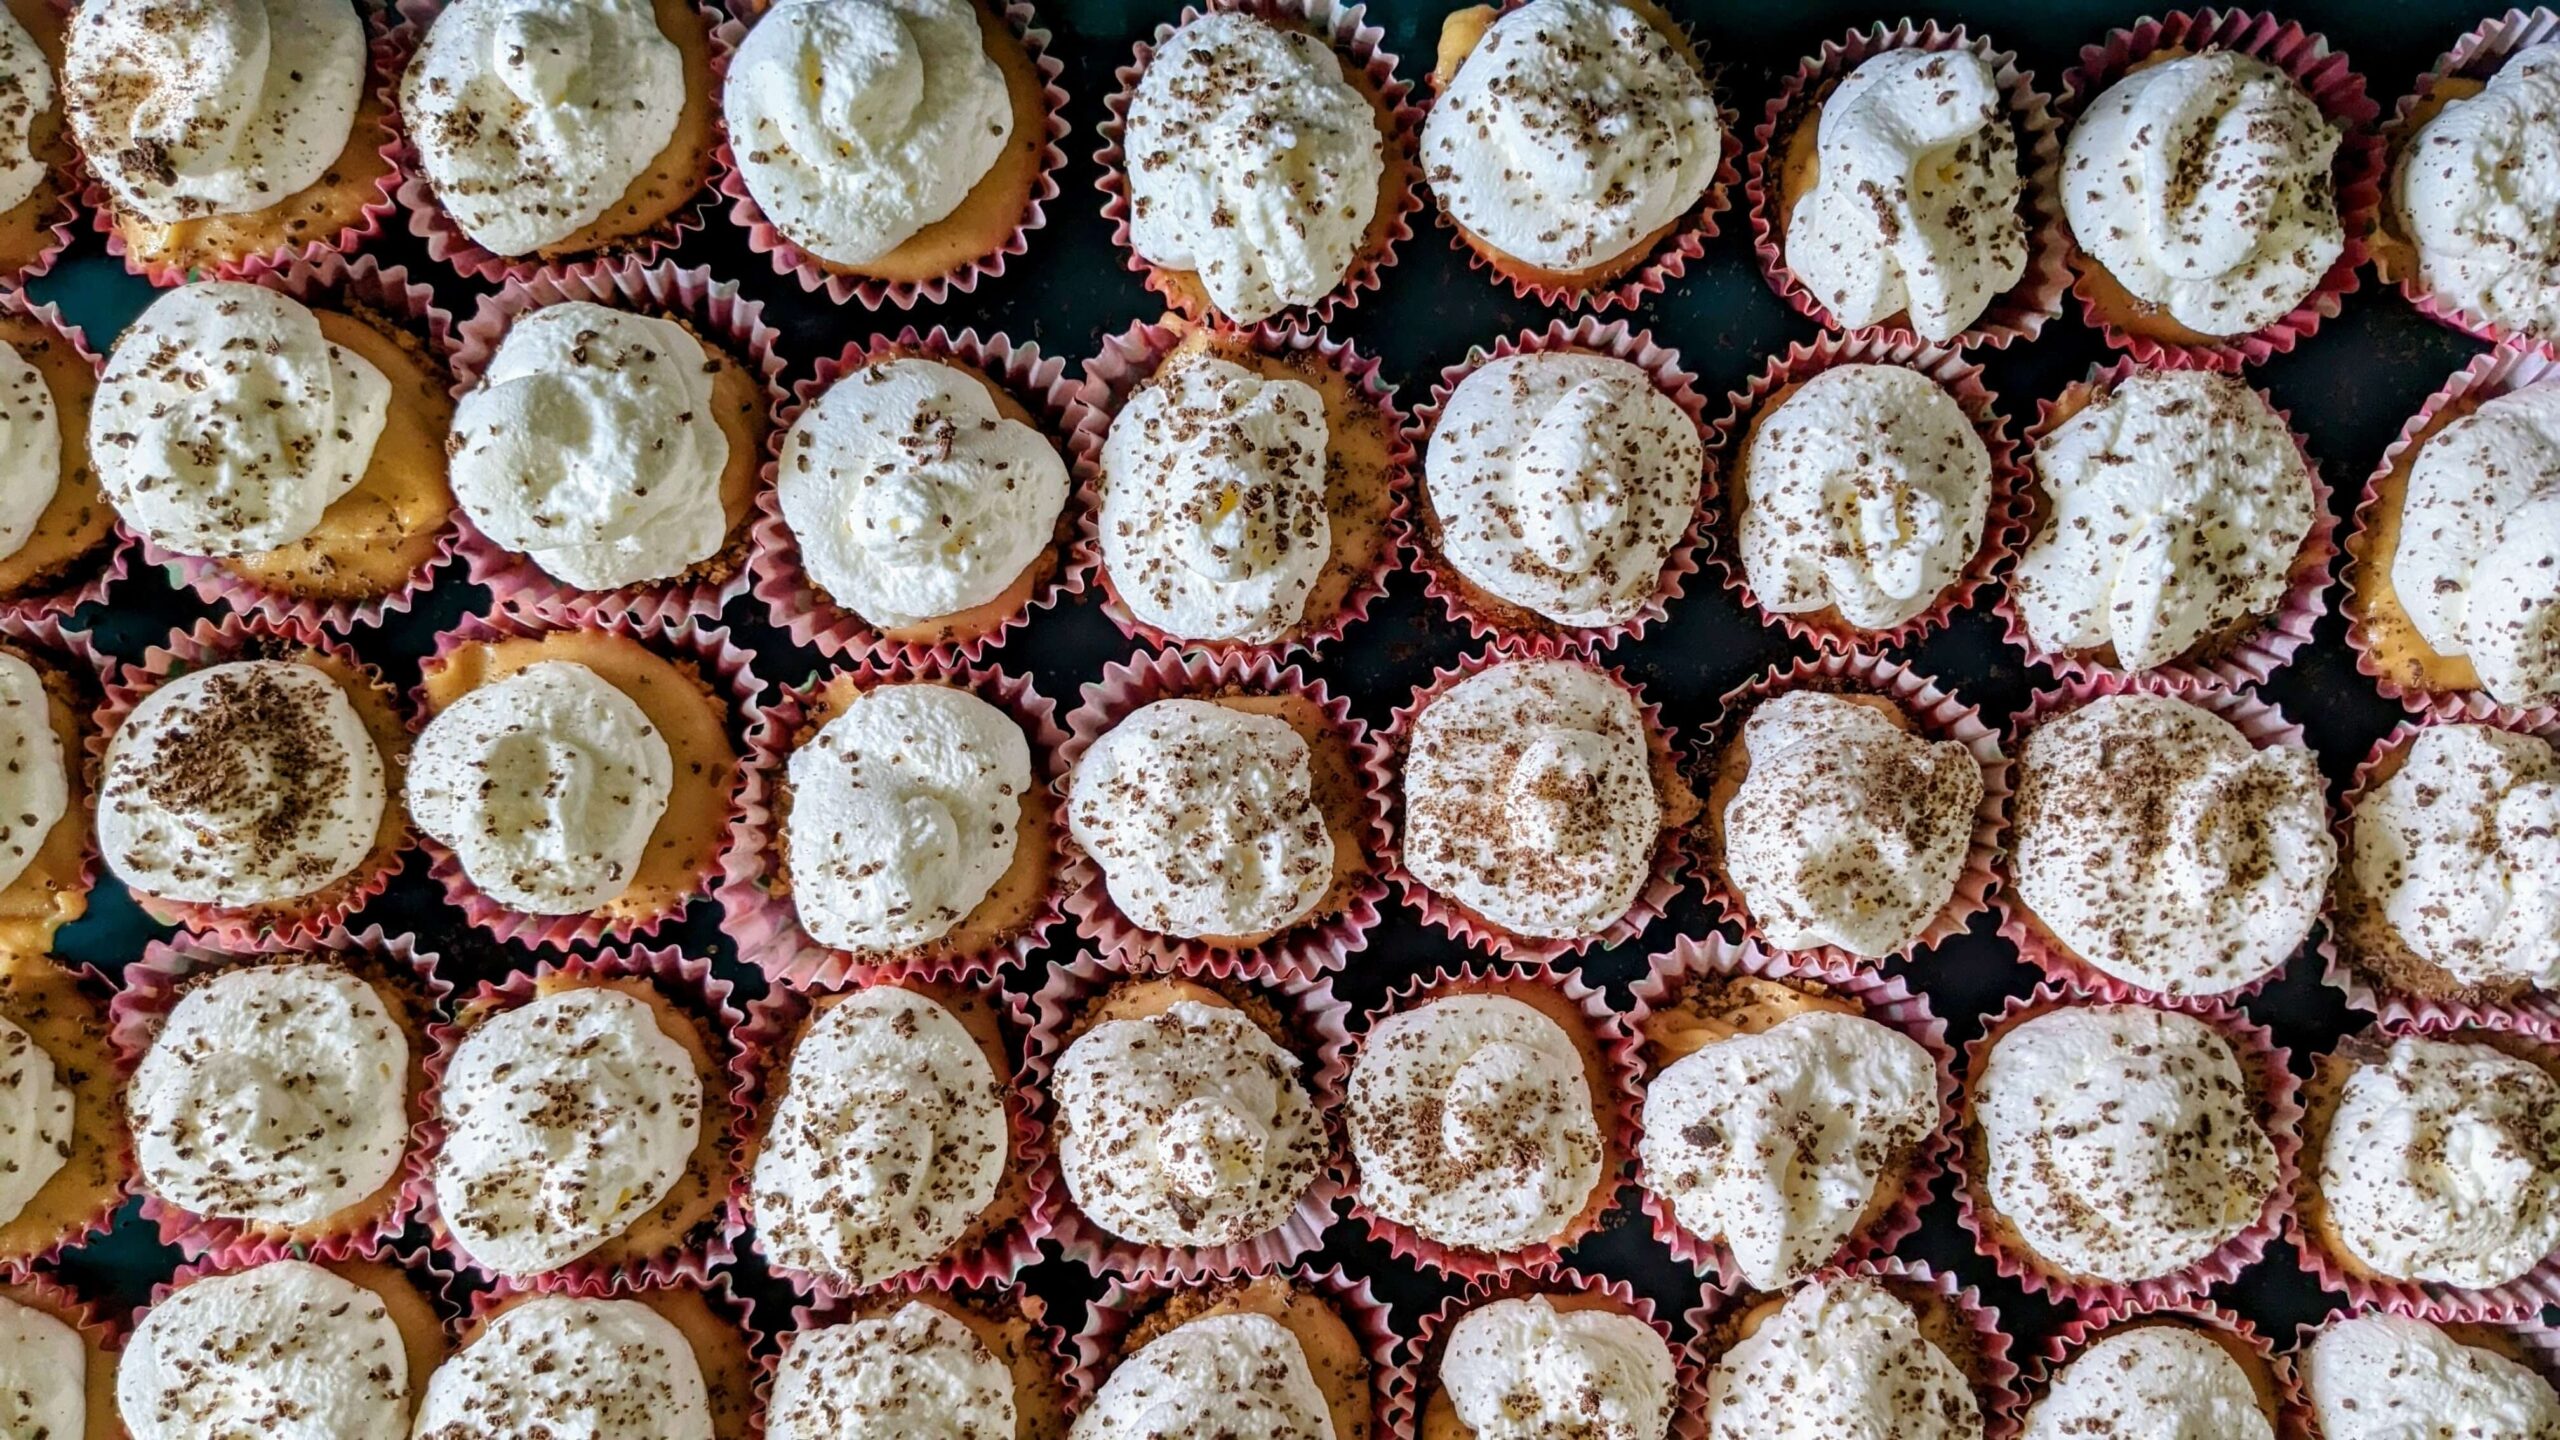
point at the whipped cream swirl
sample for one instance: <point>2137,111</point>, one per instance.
<point>1840,1358</point>
<point>2478,528</point>
<point>917,1370</point>
<point>35,778</point>
<point>1526,1370</point>
<point>2460,849</point>
<point>36,1110</point>
<point>1238,1376</point>
<point>30,445</point>
<point>2474,191</point>
<point>43,1370</point>
<point>2159,1382</point>
<point>2386,1377</point>
<point>287,1350</point>
<point>570,1366</point>
<point>26,95</point>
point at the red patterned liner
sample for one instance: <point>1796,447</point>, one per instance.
<point>1937,714</point>
<point>2016,314</point>
<point>1995,1390</point>
<point>72,653</point>
<point>217,642</point>
<point>765,925</point>
<point>1108,1321</point>
<point>2004,522</point>
<point>333,279</point>
<point>1671,254</point>
<point>2269,647</point>
<point>817,275</point>
<point>104,566</point>
<point>1317,944</point>
<point>2259,721</point>
<point>719,316</point>
<point>2279,1114</point>
<point>766,1042</point>
<point>799,604</point>
<point>1128,361</point>
<point>2357,170</point>
<point>2479,54</point>
<point>1661,886</point>
<point>153,986</point>
<point>2491,374</point>
<point>2539,1342</point>
<point>1360,44</point>
<point>2364,990</point>
<point>383,58</point>
<point>1885,1000</point>
<point>1319,1018</point>
<point>2076,1335</point>
<point>830,1311</point>
<point>1431,1338</point>
<point>2520,1299</point>
<point>697,645</point>
<point>684,979</point>
<point>444,236</point>
<point>1440,579</point>
<point>1620,1111</point>
<point>99,991</point>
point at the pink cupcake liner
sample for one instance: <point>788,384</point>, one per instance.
<point>1424,1351</point>
<point>1108,1321</point>
<point>719,316</point>
<point>1662,882</point>
<point>1320,1020</point>
<point>2267,647</point>
<point>445,240</point>
<point>1360,44</point>
<point>827,1312</point>
<point>328,281</point>
<point>86,580</point>
<point>1995,1388</point>
<point>800,605</point>
<point>2016,314</point>
<point>1620,1110</point>
<point>2279,1108</point>
<point>383,58</point>
<point>96,992</point>
<point>1511,624</point>
<point>2489,375</point>
<point>2539,1343</point>
<point>816,275</point>
<point>2260,722</point>
<point>706,650</point>
<point>1936,714</point>
<point>153,986</point>
<point>70,656</point>
<point>1670,255</point>
<point>1128,361</point>
<point>688,982</point>
<point>766,1042</point>
<point>2520,1299</point>
<point>2325,78</point>
<point>307,918</point>
<point>1888,1001</point>
<point>2003,526</point>
<point>1321,942</point>
<point>2077,1334</point>
<point>2479,54</point>
<point>2344,970</point>
<point>716,1292</point>
<point>764,922</point>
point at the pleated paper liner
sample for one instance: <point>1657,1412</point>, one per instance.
<point>303,918</point>
<point>446,241</point>
<point>724,321</point>
<point>1887,1001</point>
<point>2528,1342</point>
<point>1936,715</point>
<point>2357,176</point>
<point>1128,361</point>
<point>2245,653</point>
<point>767,1042</point>
<point>75,675</point>
<point>2275,1098</point>
<point>842,283</point>
<point>1320,1024</point>
<point>702,654</point>
<point>83,1196</point>
<point>1662,882</point>
<point>1041,1367</point>
<point>708,1304</point>
<point>1322,941</point>
<point>100,1336</point>
<point>1617,1104</point>
<point>1606,1292</point>
<point>695,1206</point>
<point>82,578</point>
<point>2259,721</point>
<point>2073,1338</point>
<point>1346,28</point>
<point>384,299</point>
<point>156,982</point>
<point>2371,545</point>
<point>380,94</point>
<point>2003,523</point>
<point>799,604</point>
<point>2015,315</point>
<point>2474,59</point>
<point>1486,616</point>
<point>1633,279</point>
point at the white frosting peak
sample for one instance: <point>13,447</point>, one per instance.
<point>1238,1376</point>
<point>575,1368</point>
<point>35,1119</point>
<point>2151,1382</point>
<point>43,1375</point>
<point>916,1371</point>
<point>1526,1370</point>
<point>1841,1360</point>
<point>30,435</point>
<point>26,95</point>
<point>2478,528</point>
<point>287,1350</point>
<point>2385,1377</point>
<point>35,781</point>
<point>2475,189</point>
<point>2460,848</point>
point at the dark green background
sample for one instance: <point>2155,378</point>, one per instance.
<point>2348,389</point>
